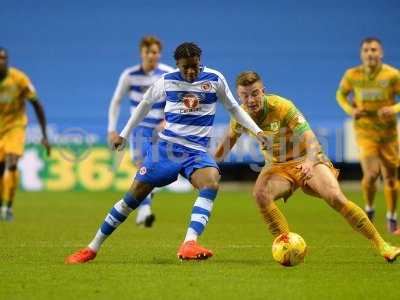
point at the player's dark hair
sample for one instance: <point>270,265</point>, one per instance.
<point>371,39</point>
<point>187,50</point>
<point>247,78</point>
<point>149,40</point>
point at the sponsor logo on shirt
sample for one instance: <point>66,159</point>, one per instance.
<point>191,102</point>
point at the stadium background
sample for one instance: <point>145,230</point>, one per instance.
<point>75,51</point>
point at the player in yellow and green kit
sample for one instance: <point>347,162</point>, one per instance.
<point>15,89</point>
<point>294,159</point>
<point>367,93</point>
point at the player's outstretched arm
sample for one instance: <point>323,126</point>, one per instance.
<point>224,147</point>
<point>154,93</point>
<point>39,111</point>
<point>114,108</point>
<point>138,115</point>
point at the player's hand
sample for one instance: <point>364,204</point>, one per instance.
<point>46,145</point>
<point>265,140</point>
<point>306,169</point>
<point>118,143</point>
<point>386,112</point>
<point>358,113</point>
<point>111,136</point>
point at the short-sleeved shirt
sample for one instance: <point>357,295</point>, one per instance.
<point>15,89</point>
<point>285,123</point>
<point>372,92</point>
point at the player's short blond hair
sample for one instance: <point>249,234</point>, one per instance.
<point>149,40</point>
<point>247,78</point>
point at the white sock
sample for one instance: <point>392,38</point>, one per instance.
<point>191,235</point>
<point>97,241</point>
<point>369,208</point>
<point>391,216</point>
<point>143,211</point>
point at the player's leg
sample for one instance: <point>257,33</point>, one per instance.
<point>268,188</point>
<point>206,180</point>
<point>13,148</point>
<point>2,169</point>
<point>389,155</point>
<point>144,215</point>
<point>117,215</point>
<point>10,185</point>
<point>324,183</point>
<point>141,141</point>
<point>371,169</point>
<point>157,170</point>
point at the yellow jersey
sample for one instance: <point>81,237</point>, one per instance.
<point>15,89</point>
<point>371,92</point>
<point>282,121</point>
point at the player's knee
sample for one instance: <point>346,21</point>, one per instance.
<point>212,184</point>
<point>12,167</point>
<point>2,168</point>
<point>263,199</point>
<point>391,183</point>
<point>370,177</point>
<point>335,198</point>
<point>11,162</point>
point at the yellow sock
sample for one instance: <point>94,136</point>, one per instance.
<point>10,184</point>
<point>360,222</point>
<point>368,192</point>
<point>391,198</point>
<point>275,220</point>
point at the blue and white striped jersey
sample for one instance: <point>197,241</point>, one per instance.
<point>190,106</point>
<point>134,82</point>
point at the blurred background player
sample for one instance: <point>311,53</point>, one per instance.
<point>191,95</point>
<point>134,81</point>
<point>295,159</point>
<point>373,87</point>
<point>15,89</point>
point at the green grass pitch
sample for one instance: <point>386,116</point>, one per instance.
<point>138,263</point>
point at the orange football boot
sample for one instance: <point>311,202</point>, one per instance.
<point>81,256</point>
<point>192,250</point>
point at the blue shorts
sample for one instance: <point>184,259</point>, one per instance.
<point>141,140</point>
<point>165,160</point>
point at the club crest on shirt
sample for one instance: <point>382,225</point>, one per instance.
<point>206,86</point>
<point>274,126</point>
<point>384,83</point>
<point>142,170</point>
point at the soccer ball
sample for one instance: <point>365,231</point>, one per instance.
<point>289,249</point>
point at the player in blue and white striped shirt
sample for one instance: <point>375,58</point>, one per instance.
<point>134,82</point>
<point>191,94</point>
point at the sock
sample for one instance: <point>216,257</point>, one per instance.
<point>369,208</point>
<point>115,217</point>
<point>391,216</point>
<point>275,220</point>
<point>391,198</point>
<point>200,213</point>
<point>357,218</point>
<point>368,192</point>
<point>10,184</point>
<point>144,209</point>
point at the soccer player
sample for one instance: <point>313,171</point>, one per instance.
<point>294,159</point>
<point>15,89</point>
<point>135,81</point>
<point>191,95</point>
<point>367,94</point>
